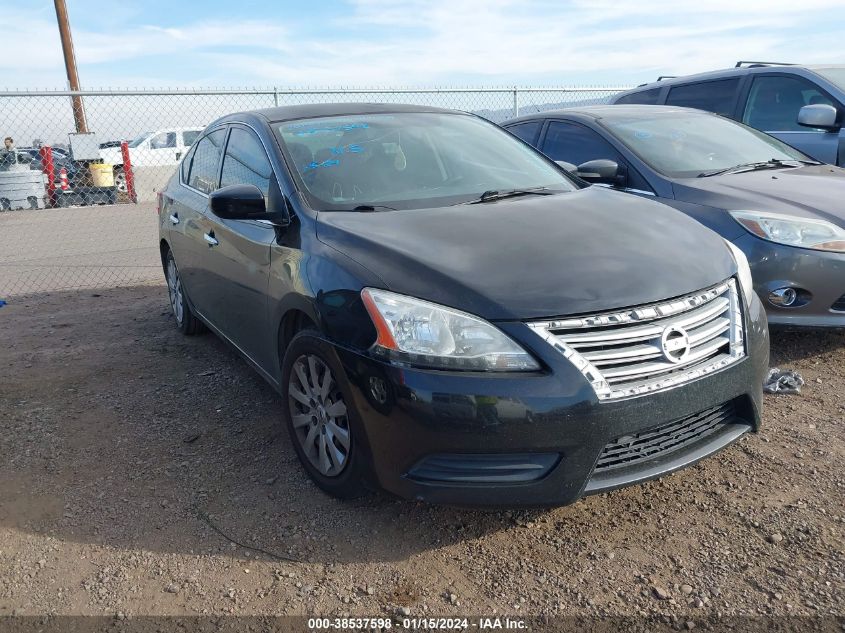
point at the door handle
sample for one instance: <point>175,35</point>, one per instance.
<point>209,237</point>
<point>174,218</point>
<point>178,155</point>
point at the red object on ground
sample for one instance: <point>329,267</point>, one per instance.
<point>63,179</point>
<point>127,172</point>
<point>49,169</point>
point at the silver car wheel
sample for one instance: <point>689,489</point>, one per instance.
<point>318,414</point>
<point>174,287</point>
<point>120,181</point>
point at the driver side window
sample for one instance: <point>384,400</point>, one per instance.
<point>774,102</point>
<point>577,144</point>
<point>246,162</point>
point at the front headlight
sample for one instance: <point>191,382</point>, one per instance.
<point>425,334</point>
<point>793,231</point>
<point>743,271</point>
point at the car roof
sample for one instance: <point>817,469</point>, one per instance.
<point>727,73</point>
<point>596,112</point>
<point>289,113</point>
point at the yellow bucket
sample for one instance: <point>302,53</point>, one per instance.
<point>102,174</point>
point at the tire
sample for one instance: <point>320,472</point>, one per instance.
<point>186,321</point>
<point>120,181</point>
<point>323,425</point>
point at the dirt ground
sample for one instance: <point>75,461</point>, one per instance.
<point>127,449</point>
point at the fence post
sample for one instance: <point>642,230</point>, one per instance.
<point>128,173</point>
<point>515,101</point>
<point>49,169</point>
<point>275,96</point>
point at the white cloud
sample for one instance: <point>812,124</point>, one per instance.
<point>430,42</point>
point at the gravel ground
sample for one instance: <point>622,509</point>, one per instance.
<point>127,449</point>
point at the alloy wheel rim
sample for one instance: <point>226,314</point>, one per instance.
<point>120,183</point>
<point>174,286</point>
<point>319,415</point>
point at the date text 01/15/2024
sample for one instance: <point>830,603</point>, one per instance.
<point>422,623</point>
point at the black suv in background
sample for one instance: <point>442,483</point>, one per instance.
<point>800,105</point>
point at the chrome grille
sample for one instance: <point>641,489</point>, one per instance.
<point>653,347</point>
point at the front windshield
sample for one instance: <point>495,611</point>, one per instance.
<point>686,144</point>
<point>410,160</point>
<point>143,136</point>
<point>835,75</point>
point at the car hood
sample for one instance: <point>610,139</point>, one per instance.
<point>539,256</point>
<point>815,191</point>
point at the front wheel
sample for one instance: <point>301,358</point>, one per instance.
<point>318,411</point>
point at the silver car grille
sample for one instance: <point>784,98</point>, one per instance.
<point>652,347</point>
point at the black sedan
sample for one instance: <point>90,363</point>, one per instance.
<point>450,316</point>
<point>780,207</point>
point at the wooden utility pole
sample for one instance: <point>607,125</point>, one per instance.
<point>70,66</point>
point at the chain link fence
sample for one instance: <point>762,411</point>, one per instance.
<point>79,171</point>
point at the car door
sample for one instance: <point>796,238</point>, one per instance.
<point>238,252</point>
<point>772,106</point>
<point>576,143</point>
<point>187,210</point>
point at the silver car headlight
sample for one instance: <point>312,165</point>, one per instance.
<point>791,230</point>
<point>743,271</point>
<point>424,334</point>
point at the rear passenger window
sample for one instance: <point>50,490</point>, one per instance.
<point>774,102</point>
<point>203,174</point>
<point>713,96</point>
<point>246,162</point>
<point>526,131</point>
<point>186,164</point>
<point>645,97</point>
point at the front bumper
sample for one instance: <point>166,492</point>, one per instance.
<point>820,273</point>
<point>551,420</point>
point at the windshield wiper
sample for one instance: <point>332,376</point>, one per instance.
<point>774,163</point>
<point>372,207</point>
<point>491,194</point>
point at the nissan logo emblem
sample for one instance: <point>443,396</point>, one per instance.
<point>675,344</point>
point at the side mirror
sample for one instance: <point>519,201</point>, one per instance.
<point>819,115</point>
<point>567,166</point>
<point>602,171</point>
<point>243,202</point>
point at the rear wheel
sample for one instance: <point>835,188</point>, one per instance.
<point>185,319</point>
<point>321,420</point>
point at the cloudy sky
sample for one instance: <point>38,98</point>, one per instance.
<point>364,43</point>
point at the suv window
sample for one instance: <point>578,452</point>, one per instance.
<point>645,97</point>
<point>203,174</point>
<point>713,96</point>
<point>246,162</point>
<point>189,136</point>
<point>774,102</point>
<point>163,140</point>
<point>526,131</point>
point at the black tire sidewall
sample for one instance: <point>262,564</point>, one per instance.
<point>350,483</point>
<point>188,324</point>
